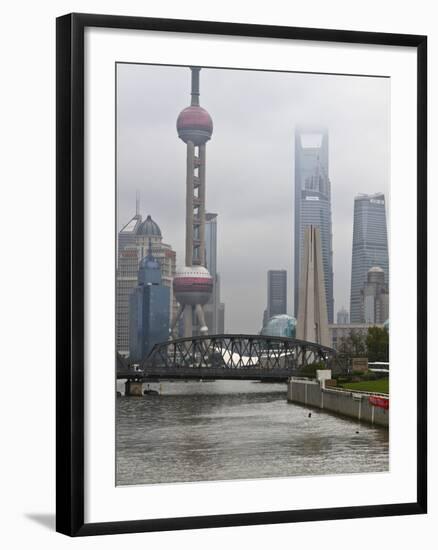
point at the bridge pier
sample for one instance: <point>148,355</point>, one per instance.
<point>134,388</point>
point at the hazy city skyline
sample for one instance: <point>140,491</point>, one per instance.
<point>250,166</point>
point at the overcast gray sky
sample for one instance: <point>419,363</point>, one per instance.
<point>250,166</point>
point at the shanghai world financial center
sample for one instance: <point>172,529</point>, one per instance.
<point>313,204</point>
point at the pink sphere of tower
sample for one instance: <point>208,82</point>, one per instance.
<point>192,285</point>
<point>194,124</point>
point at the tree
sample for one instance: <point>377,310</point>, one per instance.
<point>377,342</point>
<point>353,345</point>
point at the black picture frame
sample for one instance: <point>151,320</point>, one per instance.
<point>70,273</point>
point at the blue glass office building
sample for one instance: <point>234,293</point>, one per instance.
<point>313,205</point>
<point>148,310</point>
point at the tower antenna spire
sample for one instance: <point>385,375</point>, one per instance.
<point>195,85</point>
<point>137,203</point>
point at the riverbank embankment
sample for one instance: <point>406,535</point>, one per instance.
<point>363,406</point>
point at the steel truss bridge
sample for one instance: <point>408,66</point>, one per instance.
<point>228,356</point>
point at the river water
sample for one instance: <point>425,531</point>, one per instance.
<point>222,430</point>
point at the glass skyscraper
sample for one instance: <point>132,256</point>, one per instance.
<point>313,205</point>
<point>370,247</point>
<point>277,292</point>
<point>214,310</point>
<point>148,309</point>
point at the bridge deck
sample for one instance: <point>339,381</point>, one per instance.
<point>210,373</point>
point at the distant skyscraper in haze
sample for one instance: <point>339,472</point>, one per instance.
<point>375,297</point>
<point>126,279</point>
<point>342,317</point>
<point>277,292</point>
<point>313,205</point>
<point>370,247</point>
<point>214,310</point>
<point>211,242</point>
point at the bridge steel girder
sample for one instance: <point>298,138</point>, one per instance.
<point>234,356</point>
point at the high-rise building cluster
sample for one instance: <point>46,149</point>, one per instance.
<point>155,300</point>
<point>152,296</point>
<point>134,241</point>
<point>138,240</point>
<point>369,303</point>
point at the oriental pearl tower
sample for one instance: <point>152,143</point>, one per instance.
<point>193,283</point>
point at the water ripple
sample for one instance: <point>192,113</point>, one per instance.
<point>237,430</point>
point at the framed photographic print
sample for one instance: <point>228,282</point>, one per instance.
<point>241,274</point>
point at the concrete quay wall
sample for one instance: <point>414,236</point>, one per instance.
<point>352,404</point>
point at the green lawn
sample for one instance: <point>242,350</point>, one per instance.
<point>379,386</point>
